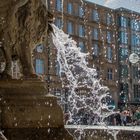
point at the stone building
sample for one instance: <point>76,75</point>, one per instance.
<point>128,34</point>
<point>110,36</point>
<point>93,27</point>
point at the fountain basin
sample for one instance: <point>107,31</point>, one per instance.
<point>28,112</point>
<point>102,132</point>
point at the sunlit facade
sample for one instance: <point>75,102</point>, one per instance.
<point>109,36</point>
<point>93,28</point>
<point>128,42</point>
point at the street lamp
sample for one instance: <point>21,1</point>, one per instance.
<point>134,58</point>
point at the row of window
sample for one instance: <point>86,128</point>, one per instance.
<point>110,74</point>
<point>109,52</point>
<point>123,35</point>
<point>40,65</point>
<point>124,88</point>
<point>124,71</point>
<point>124,53</point>
<point>136,92</point>
<point>127,22</point>
<point>122,21</point>
<point>123,38</point>
<point>40,69</point>
<point>81,11</point>
<point>81,30</point>
<point>96,50</point>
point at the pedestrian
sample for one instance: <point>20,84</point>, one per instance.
<point>124,118</point>
<point>118,118</point>
<point>137,117</point>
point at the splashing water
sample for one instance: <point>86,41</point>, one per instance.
<point>87,97</point>
<point>2,137</point>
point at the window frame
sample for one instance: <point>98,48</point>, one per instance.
<point>39,66</point>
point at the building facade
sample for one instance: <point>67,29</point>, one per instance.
<point>128,34</point>
<point>110,36</point>
<point>93,27</point>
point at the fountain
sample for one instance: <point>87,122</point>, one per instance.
<point>76,76</point>
<point>27,110</point>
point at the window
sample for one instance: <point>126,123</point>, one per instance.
<point>123,53</point>
<point>95,15</point>
<point>39,65</point>
<point>123,22</point>
<point>39,48</point>
<point>135,72</point>
<point>59,5</point>
<point>81,31</point>
<point>69,27</point>
<point>136,91</point>
<point>80,11</point>
<point>135,40</point>
<point>124,71</point>
<point>82,46</point>
<point>108,37</point>
<point>135,25</point>
<point>70,8</point>
<point>95,34</point>
<point>109,19</point>
<point>109,53</point>
<point>138,40</point>
<point>58,23</point>
<point>109,74</point>
<point>123,37</point>
<point>95,49</point>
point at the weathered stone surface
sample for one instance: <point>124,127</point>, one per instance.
<point>23,25</point>
<point>38,134</point>
<point>27,112</point>
<point>103,134</point>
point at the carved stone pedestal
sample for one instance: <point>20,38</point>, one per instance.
<point>28,113</point>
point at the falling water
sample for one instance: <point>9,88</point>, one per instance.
<point>77,76</point>
<point>2,137</point>
<point>85,92</point>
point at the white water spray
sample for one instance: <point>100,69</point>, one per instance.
<point>87,97</point>
<point>2,137</point>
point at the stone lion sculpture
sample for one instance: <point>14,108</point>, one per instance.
<point>23,24</point>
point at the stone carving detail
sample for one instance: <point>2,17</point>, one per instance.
<point>23,25</point>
